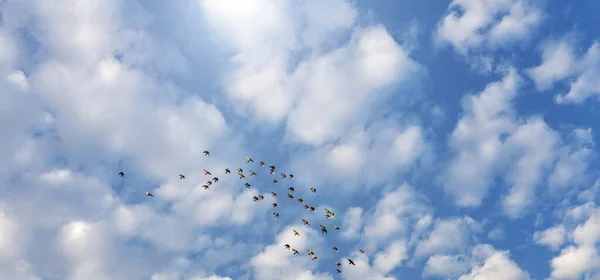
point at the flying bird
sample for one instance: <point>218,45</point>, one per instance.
<point>290,196</point>
<point>300,200</point>
<point>295,232</point>
<point>313,189</point>
<point>338,264</point>
<point>206,172</point>
<point>247,185</point>
<point>351,262</point>
<point>283,176</point>
<point>310,252</point>
<point>274,205</point>
<point>262,164</point>
<point>327,216</point>
<point>248,159</point>
<point>122,174</point>
<point>252,173</point>
<point>273,194</point>
<point>242,176</point>
<point>216,179</point>
<point>362,251</point>
<point>335,249</point>
<point>206,153</point>
<point>276,214</point>
<point>336,227</point>
<point>255,198</point>
<point>206,187</point>
<point>227,171</point>
<point>274,181</point>
<point>181,176</point>
<point>291,176</point>
<point>313,209</point>
<point>209,182</point>
<point>149,194</point>
<point>287,246</point>
<point>338,271</point>
<point>291,189</point>
<point>305,222</point>
<point>239,170</point>
<point>296,252</point>
<point>261,197</point>
<point>314,257</point>
<point>306,207</point>
<point>323,229</point>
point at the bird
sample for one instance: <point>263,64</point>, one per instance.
<point>227,171</point>
<point>296,252</point>
<point>314,257</point>
<point>276,214</point>
<point>291,189</point>
<point>323,229</point>
<point>149,194</point>
<point>335,249</point>
<point>242,176</point>
<point>209,182</point>
<point>338,271</point>
<point>290,196</point>
<point>310,252</point>
<point>272,167</point>
<point>287,246</point>
<point>206,153</point>
<point>274,181</point>
<point>313,209</point>
<point>248,159</point>
<point>206,187</point>
<point>351,262</point>
<point>122,174</point>
<point>313,189</point>
<point>305,222</point>
<point>261,197</point>
<point>216,179</point>
<point>327,216</point>
<point>255,198</point>
<point>252,173</point>
<point>335,227</point>
<point>273,194</point>
<point>283,176</point>
<point>306,207</point>
<point>338,264</point>
<point>262,164</point>
<point>291,176</point>
<point>300,200</point>
<point>296,233</point>
<point>206,172</point>
<point>274,205</point>
<point>239,170</point>
<point>181,176</point>
<point>247,185</point>
<point>362,251</point>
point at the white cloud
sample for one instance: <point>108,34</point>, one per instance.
<point>572,166</point>
<point>391,257</point>
<point>553,237</point>
<point>574,261</point>
<point>472,25</point>
<point>447,236</point>
<point>492,264</point>
<point>353,223</point>
<point>496,233</point>
<point>560,62</point>
<point>275,262</point>
<point>445,266</point>
<point>393,215</point>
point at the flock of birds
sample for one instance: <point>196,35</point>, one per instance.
<point>272,169</point>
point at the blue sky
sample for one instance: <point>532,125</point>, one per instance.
<point>453,139</point>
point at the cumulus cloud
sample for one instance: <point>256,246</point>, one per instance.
<point>561,63</point>
<point>471,25</point>
<point>553,237</point>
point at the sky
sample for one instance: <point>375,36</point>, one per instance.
<point>453,139</point>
